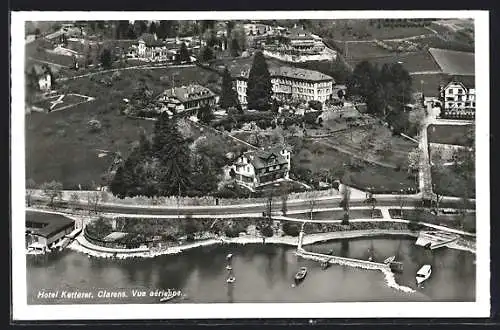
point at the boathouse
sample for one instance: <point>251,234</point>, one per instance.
<point>47,229</point>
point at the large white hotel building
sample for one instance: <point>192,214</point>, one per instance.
<point>291,83</point>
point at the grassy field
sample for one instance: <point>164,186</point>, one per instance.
<point>360,29</point>
<point>365,50</point>
<point>449,183</point>
<point>413,62</point>
<point>454,62</point>
<point>60,145</point>
<point>448,134</point>
<point>369,176</point>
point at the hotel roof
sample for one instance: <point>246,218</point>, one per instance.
<point>290,72</point>
<point>188,93</point>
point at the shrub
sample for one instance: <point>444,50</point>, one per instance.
<point>267,231</point>
<point>94,125</point>
<point>291,229</point>
<point>316,105</point>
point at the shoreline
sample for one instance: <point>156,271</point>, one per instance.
<point>80,244</point>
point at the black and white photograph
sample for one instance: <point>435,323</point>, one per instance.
<point>201,165</point>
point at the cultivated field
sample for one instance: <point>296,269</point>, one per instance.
<point>453,62</point>
<point>346,30</point>
<point>62,102</point>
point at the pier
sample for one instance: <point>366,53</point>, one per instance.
<point>357,263</point>
<point>435,239</point>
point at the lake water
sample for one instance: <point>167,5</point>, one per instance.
<point>264,273</point>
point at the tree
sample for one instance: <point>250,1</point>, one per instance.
<point>106,58</point>
<point>259,87</point>
<point>228,96</point>
<point>152,28</point>
<point>205,114</point>
<point>401,202</point>
<point>52,190</point>
<point>93,200</point>
<point>345,203</point>
<point>414,160</point>
<point>140,27</point>
<point>207,54</point>
<point>372,201</point>
<point>312,201</point>
<point>184,54</point>
<point>75,199</point>
<point>235,48</point>
<point>30,187</point>
<point>172,151</point>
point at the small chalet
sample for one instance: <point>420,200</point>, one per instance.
<point>260,167</point>
<point>179,99</point>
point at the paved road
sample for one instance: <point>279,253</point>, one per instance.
<point>387,200</point>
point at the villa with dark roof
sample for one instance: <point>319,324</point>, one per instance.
<point>259,167</point>
<point>44,231</point>
<point>291,83</point>
<point>179,99</point>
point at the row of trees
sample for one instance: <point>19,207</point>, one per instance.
<point>386,90</point>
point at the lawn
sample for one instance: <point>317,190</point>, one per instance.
<point>68,100</point>
<point>365,50</point>
<point>448,220</point>
<point>61,146</point>
<point>360,29</point>
<point>413,62</point>
<point>379,178</point>
<point>430,85</point>
<point>454,62</point>
<point>448,134</point>
<point>338,215</point>
<point>449,183</point>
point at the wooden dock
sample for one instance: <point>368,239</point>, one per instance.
<point>435,239</point>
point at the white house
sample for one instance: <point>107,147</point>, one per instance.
<point>260,167</point>
<point>458,96</point>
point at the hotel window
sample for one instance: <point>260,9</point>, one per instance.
<point>460,91</point>
<point>450,91</point>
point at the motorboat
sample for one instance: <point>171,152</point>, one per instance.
<point>301,274</point>
<point>228,267</point>
<point>36,249</point>
<point>229,256</point>
<point>423,273</point>
<point>231,279</point>
<point>389,260</point>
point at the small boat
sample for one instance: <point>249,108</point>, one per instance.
<point>325,264</point>
<point>389,260</point>
<point>423,273</point>
<point>301,274</point>
<point>229,256</point>
<point>228,267</point>
<point>231,279</point>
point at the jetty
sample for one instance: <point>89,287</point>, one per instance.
<point>62,244</point>
<point>385,268</point>
<point>435,239</point>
